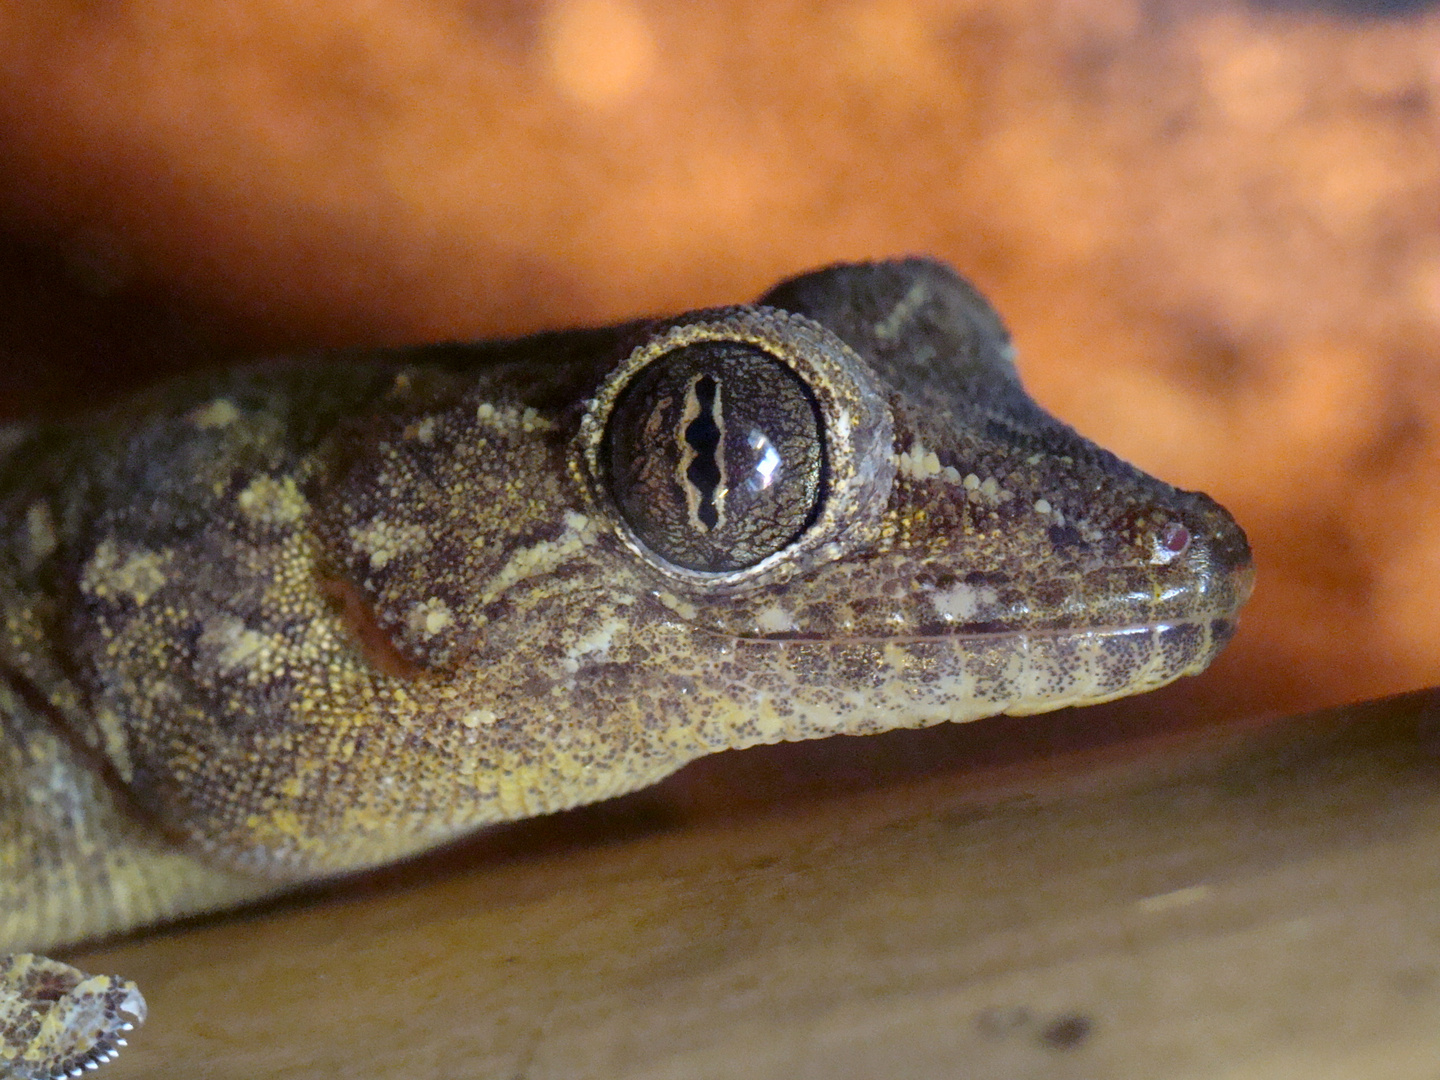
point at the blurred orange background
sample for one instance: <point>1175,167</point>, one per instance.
<point>1214,229</point>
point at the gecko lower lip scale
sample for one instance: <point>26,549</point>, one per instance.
<point>270,625</point>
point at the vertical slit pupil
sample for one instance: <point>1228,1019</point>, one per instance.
<point>703,435</point>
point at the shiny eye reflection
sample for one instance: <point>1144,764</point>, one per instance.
<point>767,460</point>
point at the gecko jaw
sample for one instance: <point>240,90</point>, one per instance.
<point>807,688</point>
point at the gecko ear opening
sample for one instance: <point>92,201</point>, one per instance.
<point>739,446</point>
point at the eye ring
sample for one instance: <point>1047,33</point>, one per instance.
<point>852,424</point>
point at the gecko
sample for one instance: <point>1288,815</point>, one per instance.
<point>269,625</point>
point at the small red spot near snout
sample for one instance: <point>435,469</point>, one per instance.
<point>1175,538</point>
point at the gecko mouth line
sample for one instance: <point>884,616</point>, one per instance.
<point>1220,624</point>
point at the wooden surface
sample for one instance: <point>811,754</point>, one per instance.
<point>1255,902</point>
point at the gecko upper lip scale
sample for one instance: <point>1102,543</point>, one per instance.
<point>920,681</point>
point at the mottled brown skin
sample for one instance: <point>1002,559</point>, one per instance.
<point>277,624</point>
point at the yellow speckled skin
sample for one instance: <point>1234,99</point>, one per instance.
<point>276,624</point>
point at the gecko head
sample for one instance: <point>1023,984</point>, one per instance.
<point>526,575</point>
<point>835,510</point>
<point>848,484</point>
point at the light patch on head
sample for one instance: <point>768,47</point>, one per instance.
<point>430,617</point>
<point>679,605</point>
<point>237,647</point>
<point>919,463</point>
<point>383,540</point>
<point>775,619</point>
<point>1046,509</point>
<point>508,418</point>
<point>543,557</point>
<point>895,323</point>
<point>987,490</point>
<point>219,413</point>
<point>593,646</point>
<point>962,603</point>
<point>134,573</point>
<point>269,500</point>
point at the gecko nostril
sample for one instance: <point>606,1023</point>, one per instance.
<point>1171,542</point>
<point>1175,538</point>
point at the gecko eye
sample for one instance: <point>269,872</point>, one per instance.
<point>737,447</point>
<point>715,455</point>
